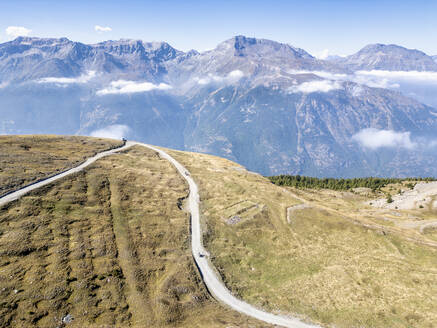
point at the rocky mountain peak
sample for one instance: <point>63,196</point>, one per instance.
<point>161,51</point>
<point>243,46</point>
<point>39,42</point>
<point>389,57</point>
<point>268,105</point>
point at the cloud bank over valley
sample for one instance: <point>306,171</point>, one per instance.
<point>116,131</point>
<point>128,87</point>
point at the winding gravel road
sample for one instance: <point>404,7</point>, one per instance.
<point>21,192</point>
<point>213,283</point>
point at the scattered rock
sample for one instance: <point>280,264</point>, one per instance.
<point>421,195</point>
<point>233,220</point>
<point>68,318</point>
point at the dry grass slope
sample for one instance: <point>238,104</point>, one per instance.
<point>110,247</point>
<point>324,265</point>
<point>26,159</point>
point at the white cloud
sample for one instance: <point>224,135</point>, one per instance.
<point>231,77</point>
<point>398,76</point>
<point>117,131</point>
<point>378,78</point>
<point>235,75</point>
<point>324,74</point>
<point>373,139</point>
<point>126,87</point>
<point>3,84</point>
<point>421,86</point>
<point>410,75</point>
<point>69,80</point>
<point>102,29</point>
<point>316,86</point>
<point>205,80</point>
<point>14,31</point>
<point>374,82</point>
<point>322,54</point>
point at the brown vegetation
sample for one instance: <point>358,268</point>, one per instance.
<point>335,262</point>
<point>107,247</point>
<point>27,159</point>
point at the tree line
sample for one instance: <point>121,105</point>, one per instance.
<point>373,183</point>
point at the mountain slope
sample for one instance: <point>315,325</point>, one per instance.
<point>249,60</point>
<point>326,256</point>
<point>27,58</point>
<point>389,57</point>
<point>270,131</point>
<point>270,106</point>
<point>108,246</point>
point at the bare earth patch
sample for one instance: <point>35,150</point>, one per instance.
<point>423,195</point>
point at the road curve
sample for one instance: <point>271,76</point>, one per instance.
<point>213,283</point>
<point>21,192</point>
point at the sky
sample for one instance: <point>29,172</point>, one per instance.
<point>320,27</point>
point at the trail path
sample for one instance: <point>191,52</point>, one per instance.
<point>206,269</point>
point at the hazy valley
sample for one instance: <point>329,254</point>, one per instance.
<point>269,106</point>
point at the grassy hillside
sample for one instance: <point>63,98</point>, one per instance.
<point>110,247</point>
<point>107,247</point>
<point>26,159</point>
<point>332,259</point>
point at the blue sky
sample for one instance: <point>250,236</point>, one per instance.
<point>342,27</point>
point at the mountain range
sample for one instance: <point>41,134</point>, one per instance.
<point>388,57</point>
<point>270,106</point>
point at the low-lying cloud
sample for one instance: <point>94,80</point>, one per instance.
<point>231,77</point>
<point>116,131</point>
<point>359,77</point>
<point>421,86</point>
<point>129,87</point>
<point>15,31</point>
<point>322,54</point>
<point>373,139</point>
<point>377,77</point>
<point>316,86</point>
<point>102,29</point>
<point>84,78</point>
<point>411,76</point>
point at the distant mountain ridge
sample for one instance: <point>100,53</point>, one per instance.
<point>270,106</point>
<point>389,57</point>
<point>65,58</point>
<point>29,58</point>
